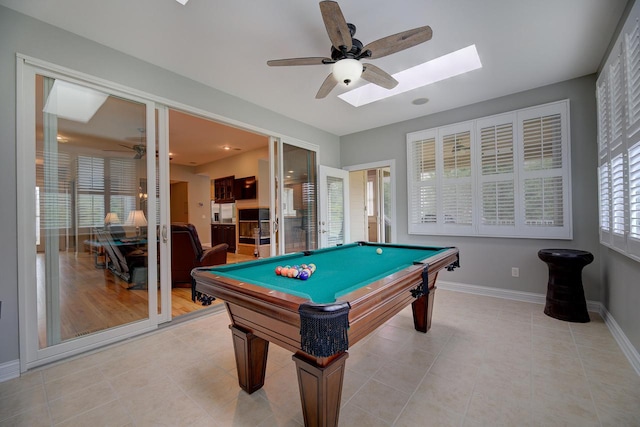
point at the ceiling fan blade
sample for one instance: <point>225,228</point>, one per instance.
<point>327,86</point>
<point>299,61</point>
<point>397,42</point>
<point>379,77</point>
<point>138,156</point>
<point>336,25</point>
<point>127,146</point>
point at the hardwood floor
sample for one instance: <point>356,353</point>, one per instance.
<point>93,299</point>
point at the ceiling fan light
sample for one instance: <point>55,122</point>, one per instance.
<point>347,71</point>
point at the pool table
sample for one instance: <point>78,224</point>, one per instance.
<point>353,291</point>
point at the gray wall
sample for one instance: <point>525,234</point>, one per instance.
<point>21,34</point>
<point>612,278</point>
<point>488,261</point>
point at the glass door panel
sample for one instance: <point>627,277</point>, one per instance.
<point>299,199</point>
<point>334,207</point>
<point>91,211</point>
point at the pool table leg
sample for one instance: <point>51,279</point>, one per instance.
<point>422,310</point>
<point>320,389</point>
<point>251,358</point>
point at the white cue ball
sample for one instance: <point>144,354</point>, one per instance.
<point>378,251</point>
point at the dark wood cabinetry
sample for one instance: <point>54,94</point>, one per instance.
<point>223,189</point>
<point>224,233</point>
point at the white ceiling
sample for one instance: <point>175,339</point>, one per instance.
<point>522,44</point>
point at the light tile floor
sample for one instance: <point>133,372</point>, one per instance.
<point>485,362</point>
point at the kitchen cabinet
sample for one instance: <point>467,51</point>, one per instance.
<point>223,189</point>
<point>224,233</point>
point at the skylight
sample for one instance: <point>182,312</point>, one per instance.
<point>441,68</point>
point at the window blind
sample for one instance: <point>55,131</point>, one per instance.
<point>617,194</point>
<point>617,104</point>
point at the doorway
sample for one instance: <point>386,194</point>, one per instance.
<point>372,202</point>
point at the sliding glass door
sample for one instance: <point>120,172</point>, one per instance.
<point>93,259</point>
<point>296,198</point>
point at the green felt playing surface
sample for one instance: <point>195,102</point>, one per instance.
<point>339,270</point>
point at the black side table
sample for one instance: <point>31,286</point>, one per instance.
<point>565,294</point>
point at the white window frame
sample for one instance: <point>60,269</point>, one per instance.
<point>519,229</point>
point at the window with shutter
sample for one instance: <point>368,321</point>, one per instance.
<point>54,198</point>
<point>617,104</point>
<point>632,56</point>
<point>520,168</point>
<point>634,198</point>
<point>422,155</point>
<point>124,188</point>
<point>604,122</point>
<point>619,142</point>
<point>90,209</point>
<point>617,194</point>
<point>605,198</point>
<point>497,172</point>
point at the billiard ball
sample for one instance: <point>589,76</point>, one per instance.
<point>284,271</point>
<point>304,274</point>
<point>278,270</point>
<point>312,267</point>
<point>378,251</point>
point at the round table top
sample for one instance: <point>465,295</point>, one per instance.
<point>566,255</point>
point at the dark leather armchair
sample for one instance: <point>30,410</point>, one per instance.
<point>187,253</point>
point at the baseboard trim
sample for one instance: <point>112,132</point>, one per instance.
<point>625,345</point>
<point>594,306</point>
<point>9,370</point>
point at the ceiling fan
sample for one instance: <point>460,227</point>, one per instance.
<point>346,52</point>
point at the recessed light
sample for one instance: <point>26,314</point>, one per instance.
<point>441,68</point>
<point>226,147</point>
<point>182,2</point>
<point>420,101</point>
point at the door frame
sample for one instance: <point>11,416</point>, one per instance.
<point>323,205</point>
<point>391,164</point>
<point>31,355</point>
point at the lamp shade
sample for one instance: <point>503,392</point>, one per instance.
<point>137,218</point>
<point>111,218</point>
<point>347,71</point>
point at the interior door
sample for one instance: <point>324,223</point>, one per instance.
<point>89,253</point>
<point>334,207</point>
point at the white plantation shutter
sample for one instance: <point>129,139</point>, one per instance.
<point>545,171</point>
<point>506,175</point>
<point>497,173</point>
<point>617,103</point>
<point>90,210</point>
<point>124,189</point>
<point>632,62</point>
<point>422,181</point>
<point>456,196</point>
<point>619,147</point>
<point>54,201</point>
<point>634,199</point>
<point>617,195</point>
<point>604,118</point>
<point>604,183</point>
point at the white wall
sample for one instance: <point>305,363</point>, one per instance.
<point>21,34</point>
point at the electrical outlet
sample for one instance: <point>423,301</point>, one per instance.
<point>515,272</point>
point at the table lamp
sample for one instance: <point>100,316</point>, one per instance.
<point>137,219</point>
<point>111,218</point>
